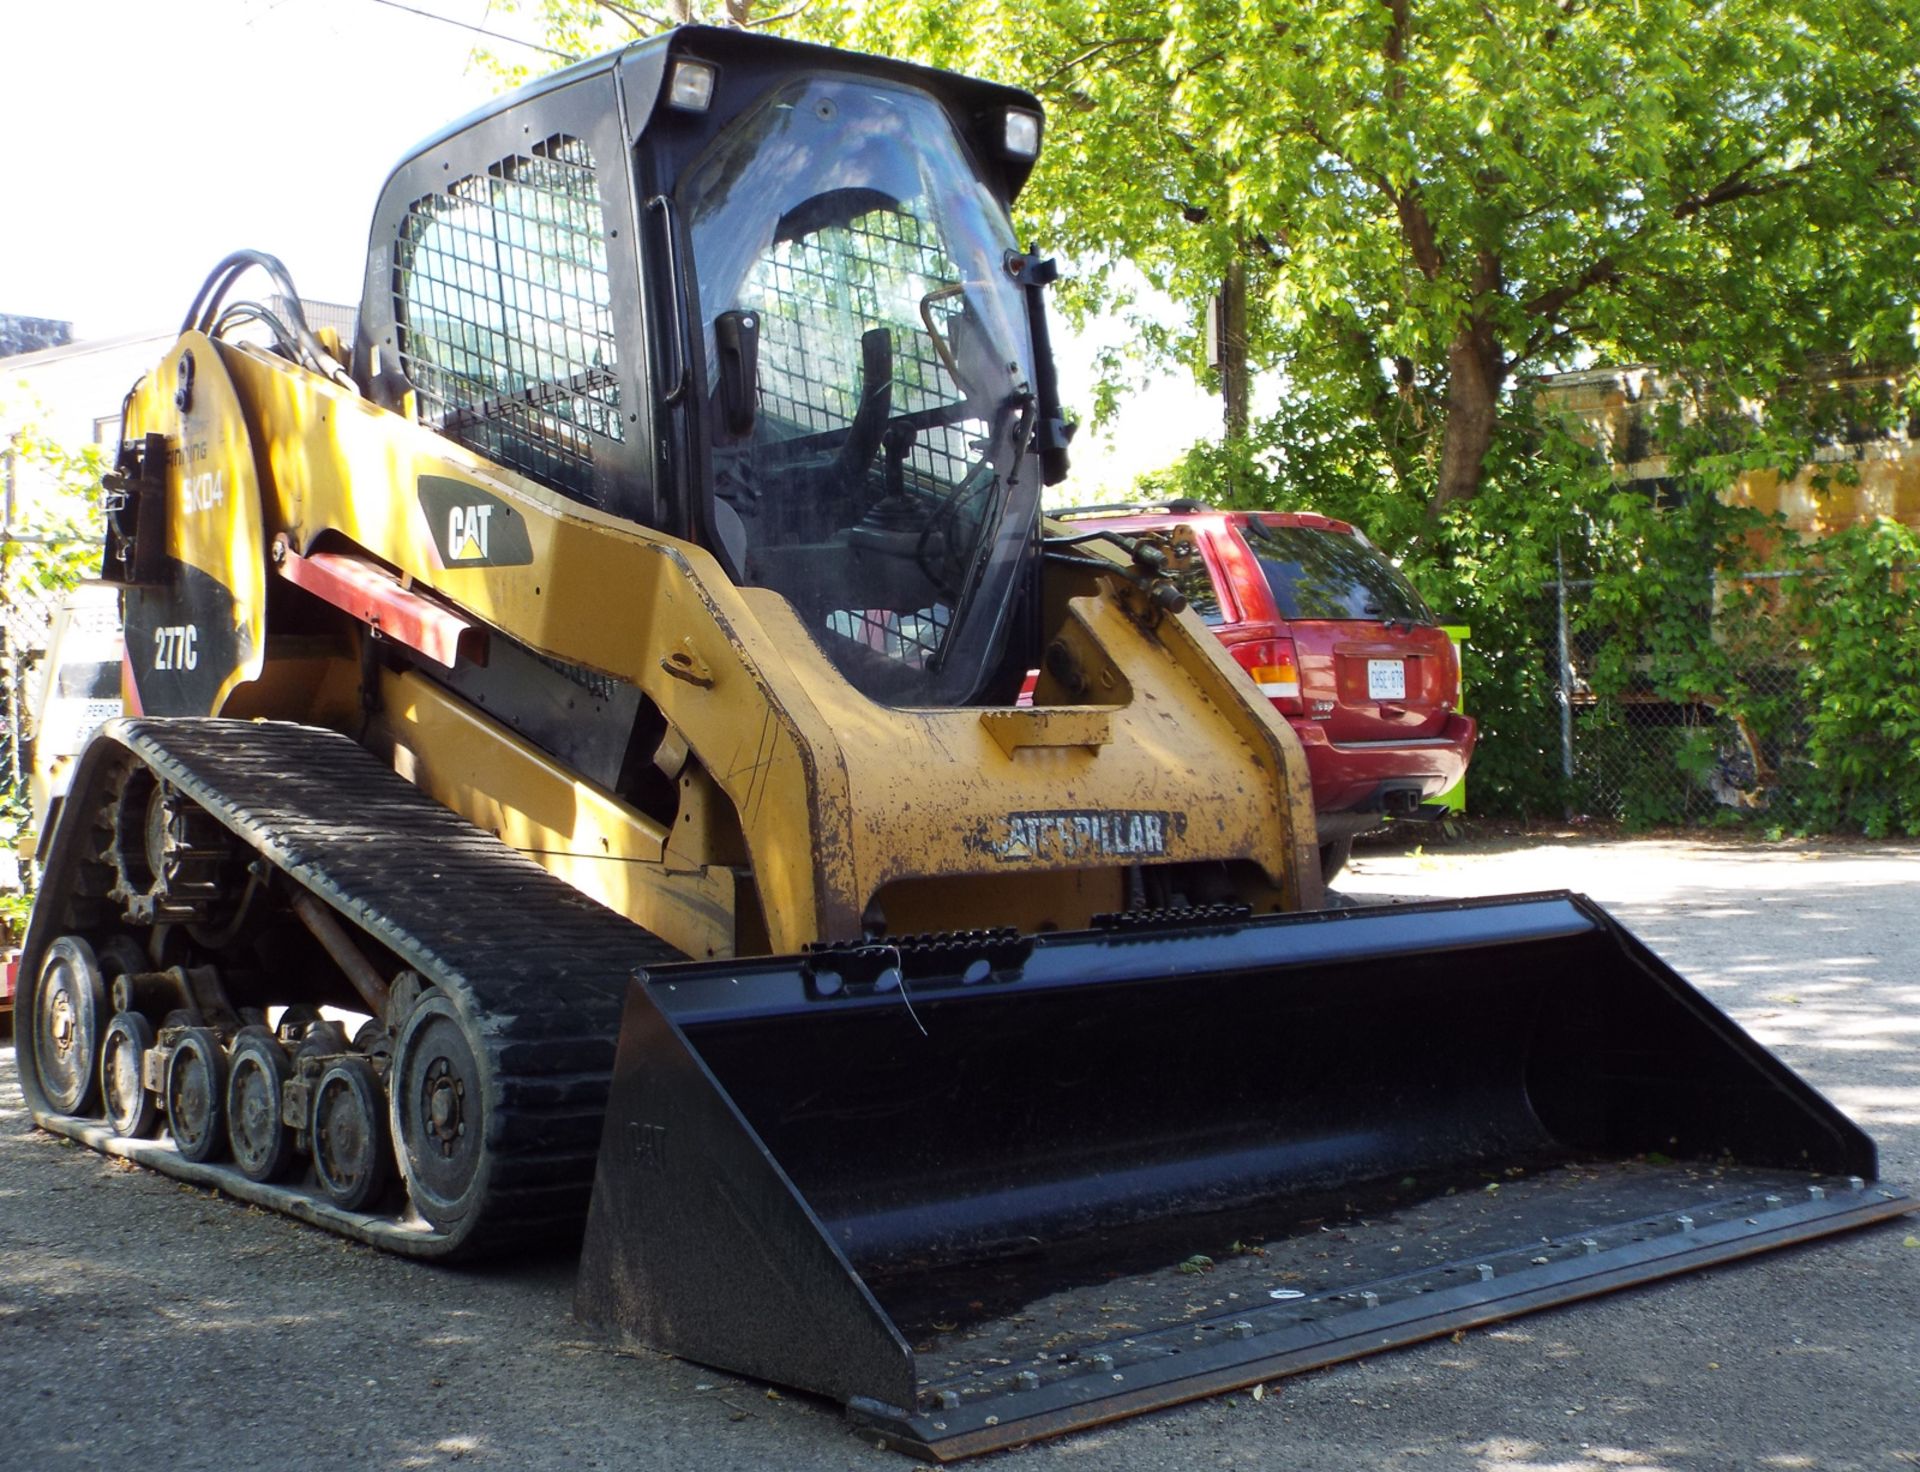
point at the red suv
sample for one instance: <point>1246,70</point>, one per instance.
<point>1342,644</point>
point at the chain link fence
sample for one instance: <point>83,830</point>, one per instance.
<point>1705,713</point>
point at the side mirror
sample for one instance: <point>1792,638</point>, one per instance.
<point>736,340</point>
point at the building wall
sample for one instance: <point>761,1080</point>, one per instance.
<point>1849,481</point>
<point>72,392</point>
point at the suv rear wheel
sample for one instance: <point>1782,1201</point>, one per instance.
<point>1333,857</point>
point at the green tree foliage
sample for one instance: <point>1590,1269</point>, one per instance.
<point>1427,203</point>
<point>574,29</point>
<point>1428,200</point>
<point>1432,198</point>
<point>1858,692</point>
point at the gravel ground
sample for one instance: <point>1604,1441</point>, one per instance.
<point>143,1323</point>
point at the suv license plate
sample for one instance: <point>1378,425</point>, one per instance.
<point>1386,679</point>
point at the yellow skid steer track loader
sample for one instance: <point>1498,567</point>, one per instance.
<point>574,783</point>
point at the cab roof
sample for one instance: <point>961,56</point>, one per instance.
<point>721,44</point>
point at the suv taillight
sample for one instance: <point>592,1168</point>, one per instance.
<point>1274,669</point>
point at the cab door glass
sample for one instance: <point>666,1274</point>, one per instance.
<point>880,481</point>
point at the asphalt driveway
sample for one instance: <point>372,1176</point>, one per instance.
<point>147,1324</point>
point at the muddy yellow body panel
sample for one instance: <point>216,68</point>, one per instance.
<point>193,638</point>
<point>946,817</point>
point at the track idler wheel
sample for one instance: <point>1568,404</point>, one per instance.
<point>440,1114</point>
<point>196,1095</point>
<point>257,1074</point>
<point>69,1018</point>
<point>131,1109</point>
<point>352,1156</point>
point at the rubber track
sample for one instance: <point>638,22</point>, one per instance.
<point>539,969</point>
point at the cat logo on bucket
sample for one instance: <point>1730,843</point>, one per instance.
<point>472,527</point>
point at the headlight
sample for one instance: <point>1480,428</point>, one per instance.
<point>1022,136</point>
<point>690,88</point>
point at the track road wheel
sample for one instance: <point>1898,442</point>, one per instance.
<point>69,1017</point>
<point>295,1023</point>
<point>440,1114</point>
<point>322,1040</point>
<point>256,1078</point>
<point>352,1155</point>
<point>196,1093</point>
<point>131,1110</point>
<point>371,1041</point>
<point>119,955</point>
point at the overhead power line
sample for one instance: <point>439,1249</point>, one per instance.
<point>447,20</point>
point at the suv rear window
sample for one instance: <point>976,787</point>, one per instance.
<point>1318,574</point>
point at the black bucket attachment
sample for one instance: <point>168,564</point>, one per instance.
<point>985,1188</point>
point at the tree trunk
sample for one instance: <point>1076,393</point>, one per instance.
<point>1476,372</point>
<point>1472,408</point>
<point>1235,382</point>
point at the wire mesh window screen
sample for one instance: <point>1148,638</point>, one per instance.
<point>818,294</point>
<point>504,300</point>
<point>911,638</point>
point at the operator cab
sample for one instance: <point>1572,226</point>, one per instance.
<point>757,295</point>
